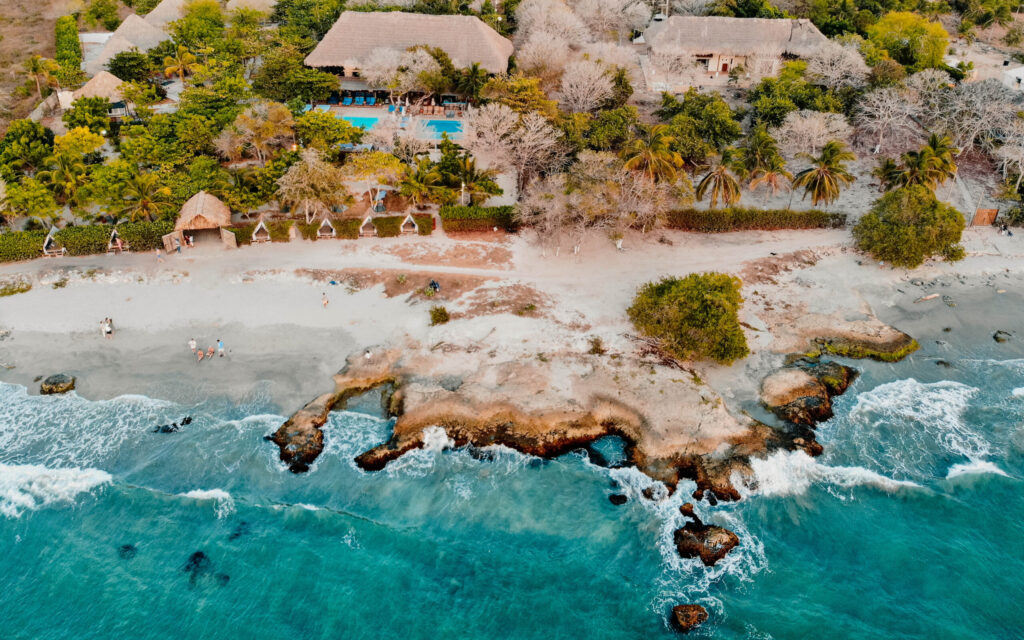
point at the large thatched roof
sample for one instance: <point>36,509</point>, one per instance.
<point>166,12</point>
<point>734,36</point>
<point>203,211</point>
<point>102,85</point>
<point>466,39</point>
<point>133,33</point>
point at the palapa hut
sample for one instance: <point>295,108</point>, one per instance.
<point>133,33</point>
<point>409,225</point>
<point>261,233</point>
<point>102,85</point>
<point>326,230</point>
<point>204,215</point>
<point>367,229</point>
<point>716,45</point>
<point>166,12</point>
<point>466,39</point>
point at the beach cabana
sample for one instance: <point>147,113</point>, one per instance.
<point>409,226</point>
<point>50,247</point>
<point>261,233</point>
<point>116,245</point>
<point>203,215</point>
<point>367,230</point>
<point>326,230</point>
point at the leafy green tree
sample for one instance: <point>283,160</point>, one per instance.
<point>144,198</point>
<point>721,181</point>
<point>181,63</point>
<point>30,197</point>
<point>325,132</point>
<point>65,176</point>
<point>102,13</point>
<point>827,174</point>
<point>746,9</point>
<point>522,94</point>
<point>652,155</point>
<point>909,225</point>
<point>107,181</point>
<point>77,143</point>
<point>282,76</point>
<point>422,183</point>
<point>712,118</point>
<point>693,318</point>
<point>606,130</point>
<point>773,98</point>
<point>307,20</point>
<point>25,147</point>
<point>90,113</point>
<point>42,72</point>
<point>622,89</point>
<point>910,39</point>
<point>131,66</point>
<point>201,25</point>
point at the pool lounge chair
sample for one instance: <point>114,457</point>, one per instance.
<point>323,107</point>
<point>391,108</point>
<point>360,101</point>
<point>333,99</point>
<point>371,101</point>
<point>347,101</point>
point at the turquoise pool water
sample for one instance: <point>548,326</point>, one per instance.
<point>438,127</point>
<point>364,122</point>
<point>910,526</point>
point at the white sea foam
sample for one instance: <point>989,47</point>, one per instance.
<point>1018,392</point>
<point>975,467</point>
<point>792,473</point>
<point>223,503</point>
<point>28,487</point>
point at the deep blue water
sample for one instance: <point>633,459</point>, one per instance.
<point>908,527</point>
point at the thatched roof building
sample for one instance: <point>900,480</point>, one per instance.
<point>166,12</point>
<point>102,85</point>
<point>266,6</point>
<point>701,35</point>
<point>133,33</point>
<point>466,39</point>
<point>203,211</point>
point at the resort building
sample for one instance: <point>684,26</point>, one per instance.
<point>103,85</point>
<point>691,50</point>
<point>133,33</point>
<point>466,39</point>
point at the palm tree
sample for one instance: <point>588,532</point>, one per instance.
<point>422,183</point>
<point>653,155</point>
<point>721,179</point>
<point>773,176</point>
<point>758,152</point>
<point>476,182</point>
<point>471,80</point>
<point>65,177</point>
<point>887,172</point>
<point>827,174</point>
<point>40,70</point>
<point>916,168</point>
<point>145,198</point>
<point>180,64</point>
<point>942,151</point>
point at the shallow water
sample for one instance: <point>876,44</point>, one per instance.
<point>908,527</point>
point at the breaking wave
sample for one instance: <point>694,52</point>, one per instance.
<point>223,503</point>
<point>28,487</point>
<point>975,467</point>
<point>792,473</point>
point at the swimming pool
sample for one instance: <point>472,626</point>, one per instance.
<point>364,122</point>
<point>438,127</point>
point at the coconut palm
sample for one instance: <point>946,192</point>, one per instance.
<point>916,168</point>
<point>772,175</point>
<point>758,152</point>
<point>471,80</point>
<point>180,64</point>
<point>942,152</point>
<point>41,70</point>
<point>721,181</point>
<point>65,177</point>
<point>145,198</point>
<point>476,182</point>
<point>887,172</point>
<point>422,183</point>
<point>652,155</point>
<point>827,174</point>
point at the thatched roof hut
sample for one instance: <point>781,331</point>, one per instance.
<point>102,85</point>
<point>166,12</point>
<point>133,33</point>
<point>701,35</point>
<point>466,39</point>
<point>203,211</point>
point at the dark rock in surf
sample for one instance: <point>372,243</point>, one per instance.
<point>166,428</point>
<point>618,499</point>
<point>197,566</point>
<point>1001,336</point>
<point>126,551</point>
<point>801,392</point>
<point>57,383</point>
<point>708,542</point>
<point>241,529</point>
<point>688,616</point>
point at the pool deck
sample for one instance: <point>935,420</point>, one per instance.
<point>379,112</point>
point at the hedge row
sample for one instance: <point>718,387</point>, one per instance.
<point>348,228</point>
<point>84,241</point>
<point>388,226</point>
<point>744,219</point>
<point>474,218</point>
<point>21,245</point>
<point>144,236</point>
<point>279,230</point>
<point>69,49</point>
<point>243,233</point>
<point>424,223</point>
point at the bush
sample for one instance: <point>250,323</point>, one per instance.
<point>69,49</point>
<point>473,218</point>
<point>243,233</point>
<point>348,227</point>
<point>694,318</point>
<point>424,223</point>
<point>744,219</point>
<point>14,288</point>
<point>389,226</point>
<point>279,230</point>
<point>83,241</point>
<point>144,236</point>
<point>906,226</point>
<point>21,245</point>
<point>309,231</point>
<point>438,315</point>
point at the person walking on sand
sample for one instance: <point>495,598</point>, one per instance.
<point>209,353</point>
<point>220,347</point>
<point>177,245</point>
<point>192,345</point>
<point>159,255</point>
<point>324,301</point>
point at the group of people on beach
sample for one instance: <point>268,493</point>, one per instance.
<point>107,328</point>
<point>208,354</point>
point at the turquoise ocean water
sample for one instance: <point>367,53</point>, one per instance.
<point>909,526</point>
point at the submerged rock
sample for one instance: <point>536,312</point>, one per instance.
<point>57,383</point>
<point>197,566</point>
<point>801,392</point>
<point>618,499</point>
<point>126,551</point>
<point>708,542</point>
<point>999,336</point>
<point>688,616</point>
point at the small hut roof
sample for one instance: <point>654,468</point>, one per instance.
<point>102,85</point>
<point>466,39</point>
<point>165,12</point>
<point>734,36</point>
<point>266,6</point>
<point>144,35</point>
<point>203,211</point>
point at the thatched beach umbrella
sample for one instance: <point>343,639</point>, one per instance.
<point>203,211</point>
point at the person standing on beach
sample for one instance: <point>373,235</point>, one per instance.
<point>324,301</point>
<point>192,345</point>
<point>220,347</point>
<point>159,256</point>
<point>177,245</point>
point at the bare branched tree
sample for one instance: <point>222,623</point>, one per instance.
<point>836,66</point>
<point>312,185</point>
<point>487,131</point>
<point>585,85</point>
<point>544,56</point>
<point>612,19</point>
<point>534,147</point>
<point>978,114</point>
<point>381,69</point>
<point>553,17</point>
<point>886,115</point>
<point>807,131</point>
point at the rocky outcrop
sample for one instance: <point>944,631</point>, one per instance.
<point>708,542</point>
<point>801,393</point>
<point>688,616</point>
<point>1001,336</point>
<point>890,345</point>
<point>57,383</point>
